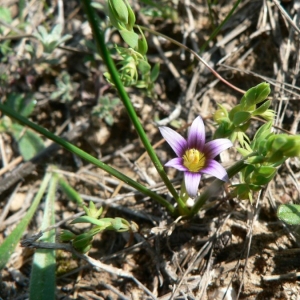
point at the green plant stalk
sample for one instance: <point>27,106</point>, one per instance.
<point>42,279</point>
<point>216,31</point>
<point>70,147</point>
<point>210,12</point>
<point>216,185</point>
<point>99,37</point>
<point>8,246</point>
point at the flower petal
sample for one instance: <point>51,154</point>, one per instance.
<point>176,163</point>
<point>192,181</point>
<point>196,135</point>
<point>215,147</point>
<point>174,139</point>
<point>213,168</point>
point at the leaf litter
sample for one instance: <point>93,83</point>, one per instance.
<point>233,249</point>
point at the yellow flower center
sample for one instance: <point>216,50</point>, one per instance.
<point>194,160</point>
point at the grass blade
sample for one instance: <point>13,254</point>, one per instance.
<point>10,243</point>
<point>42,280</point>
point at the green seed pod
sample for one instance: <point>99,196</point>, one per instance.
<point>220,114</point>
<point>83,242</point>
<point>66,236</point>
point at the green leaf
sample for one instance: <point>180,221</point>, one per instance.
<point>21,104</point>
<point>131,17</point>
<point>42,279</point>
<point>5,16</point>
<point>247,172</point>
<point>144,67</point>
<point>142,43</point>
<point>243,151</point>
<point>154,72</point>
<point>260,110</point>
<point>8,246</point>
<point>289,213</point>
<point>130,37</point>
<point>256,95</point>
<point>109,119</point>
<point>241,118</point>
<point>242,191</point>
<point>236,109</point>
<point>86,219</point>
<point>92,211</point>
<point>30,144</point>
<point>56,31</point>
<point>263,131</point>
<point>262,135</point>
<point>263,175</point>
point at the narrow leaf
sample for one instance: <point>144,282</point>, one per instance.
<point>10,243</point>
<point>42,280</point>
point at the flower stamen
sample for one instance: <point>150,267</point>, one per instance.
<point>194,160</point>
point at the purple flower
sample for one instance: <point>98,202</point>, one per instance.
<point>194,157</point>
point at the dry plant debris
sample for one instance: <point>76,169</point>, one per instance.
<point>233,249</point>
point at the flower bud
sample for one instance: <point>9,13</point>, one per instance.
<point>118,12</point>
<point>121,15</point>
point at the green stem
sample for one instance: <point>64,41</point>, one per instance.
<point>99,38</point>
<point>216,31</point>
<point>214,188</point>
<point>70,147</point>
<point>210,12</point>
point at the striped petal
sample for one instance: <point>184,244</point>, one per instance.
<point>174,139</point>
<point>215,147</point>
<point>176,163</point>
<point>192,181</point>
<point>213,168</point>
<point>196,135</point>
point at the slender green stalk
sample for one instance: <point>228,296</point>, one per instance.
<point>214,188</point>
<point>216,31</point>
<point>70,147</point>
<point>210,12</point>
<point>99,38</point>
